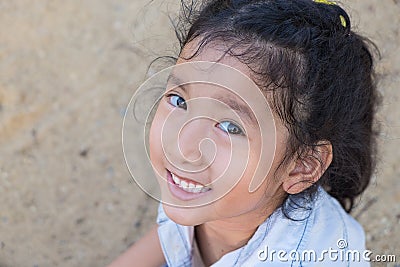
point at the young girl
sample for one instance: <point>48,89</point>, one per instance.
<point>266,174</point>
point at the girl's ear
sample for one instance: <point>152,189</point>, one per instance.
<point>308,169</point>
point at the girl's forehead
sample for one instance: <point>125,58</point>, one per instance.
<point>212,52</point>
<point>214,79</point>
<point>212,66</point>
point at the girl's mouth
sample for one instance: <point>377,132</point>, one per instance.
<point>187,185</point>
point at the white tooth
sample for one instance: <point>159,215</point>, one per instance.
<point>176,179</point>
<point>199,188</point>
<point>184,184</point>
<point>204,189</point>
<point>191,187</point>
<point>196,190</point>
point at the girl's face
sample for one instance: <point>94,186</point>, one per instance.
<point>214,143</point>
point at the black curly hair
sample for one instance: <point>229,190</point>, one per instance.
<point>320,72</point>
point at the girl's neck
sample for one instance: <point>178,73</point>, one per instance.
<point>217,238</point>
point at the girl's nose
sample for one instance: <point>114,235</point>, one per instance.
<point>194,148</point>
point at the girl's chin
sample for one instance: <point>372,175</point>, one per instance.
<point>184,216</point>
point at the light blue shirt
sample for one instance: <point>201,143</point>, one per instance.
<point>321,234</point>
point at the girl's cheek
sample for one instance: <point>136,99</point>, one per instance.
<point>228,169</point>
<point>160,141</point>
<point>155,137</point>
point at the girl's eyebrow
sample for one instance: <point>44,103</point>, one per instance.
<point>175,80</point>
<point>239,108</point>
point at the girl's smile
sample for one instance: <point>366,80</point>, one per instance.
<point>185,189</point>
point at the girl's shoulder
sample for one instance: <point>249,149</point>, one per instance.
<point>322,233</point>
<point>175,240</point>
<point>332,227</point>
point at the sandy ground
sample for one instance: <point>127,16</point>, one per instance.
<point>67,72</point>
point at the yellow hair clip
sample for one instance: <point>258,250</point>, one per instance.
<point>325,2</point>
<point>342,19</point>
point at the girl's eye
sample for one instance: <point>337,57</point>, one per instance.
<point>230,128</point>
<point>177,101</point>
